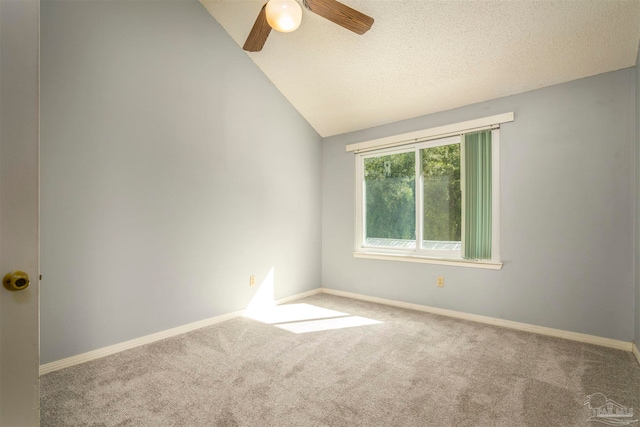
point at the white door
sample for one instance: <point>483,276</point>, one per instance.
<point>19,147</point>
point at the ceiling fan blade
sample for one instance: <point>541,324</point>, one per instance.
<point>341,14</point>
<point>259,33</point>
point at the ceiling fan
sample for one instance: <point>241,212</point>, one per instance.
<point>285,16</point>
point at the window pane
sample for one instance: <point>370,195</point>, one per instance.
<point>390,216</point>
<point>442,197</point>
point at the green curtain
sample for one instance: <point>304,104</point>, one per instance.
<point>476,242</point>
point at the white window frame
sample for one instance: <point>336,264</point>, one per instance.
<point>433,137</point>
<point>360,195</point>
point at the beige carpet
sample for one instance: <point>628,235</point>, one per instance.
<point>400,368</point>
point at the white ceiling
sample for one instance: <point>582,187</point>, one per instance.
<point>426,56</point>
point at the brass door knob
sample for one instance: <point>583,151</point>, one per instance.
<point>16,281</point>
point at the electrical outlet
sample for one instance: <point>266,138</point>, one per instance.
<point>252,280</point>
<point>440,282</point>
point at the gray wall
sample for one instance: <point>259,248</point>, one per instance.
<point>567,188</point>
<point>172,169</point>
<point>637,213</point>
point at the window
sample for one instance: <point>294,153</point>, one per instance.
<point>435,200</point>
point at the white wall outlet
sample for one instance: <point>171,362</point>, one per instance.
<point>252,280</point>
<point>440,282</point>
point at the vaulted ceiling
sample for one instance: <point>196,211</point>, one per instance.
<point>424,56</point>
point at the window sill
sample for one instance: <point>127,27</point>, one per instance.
<point>489,265</point>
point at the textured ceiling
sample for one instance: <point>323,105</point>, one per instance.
<point>426,56</point>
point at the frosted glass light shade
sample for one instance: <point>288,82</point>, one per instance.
<point>284,15</point>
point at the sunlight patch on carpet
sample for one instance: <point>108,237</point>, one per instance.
<point>303,318</point>
<point>297,318</point>
<point>292,313</point>
<point>327,324</point>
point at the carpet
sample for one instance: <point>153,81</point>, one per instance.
<point>354,363</point>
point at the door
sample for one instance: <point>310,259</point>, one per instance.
<point>19,147</point>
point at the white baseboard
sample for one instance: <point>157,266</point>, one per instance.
<point>136,342</point>
<point>147,339</point>
<point>298,296</point>
<point>542,330</point>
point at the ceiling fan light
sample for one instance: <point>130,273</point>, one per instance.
<point>284,15</point>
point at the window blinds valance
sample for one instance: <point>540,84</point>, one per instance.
<point>476,125</point>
